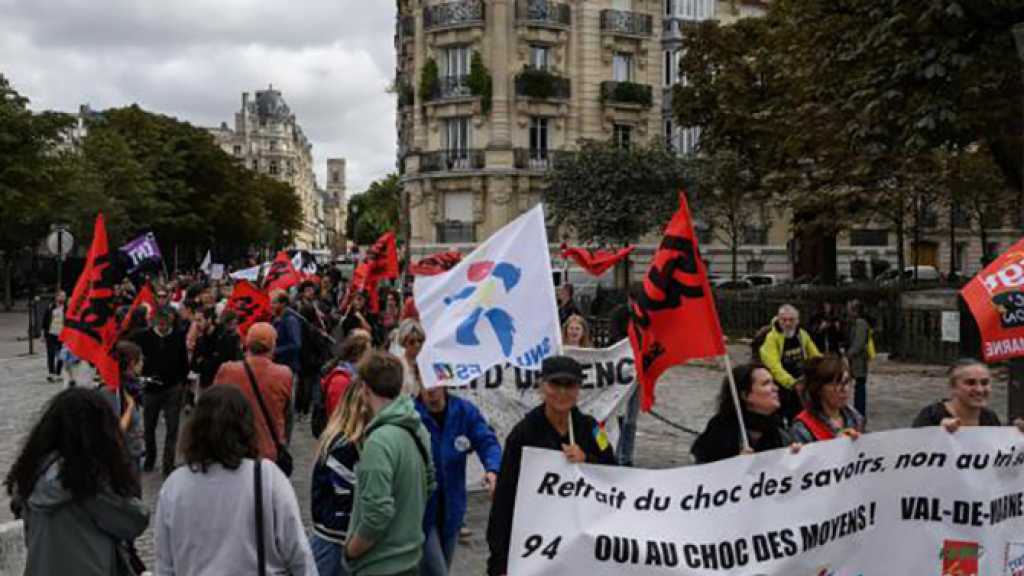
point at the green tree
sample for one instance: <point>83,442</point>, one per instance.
<point>376,211</point>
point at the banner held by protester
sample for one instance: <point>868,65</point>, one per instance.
<point>250,304</point>
<point>496,306</point>
<point>90,323</point>
<point>893,502</point>
<point>282,274</point>
<point>380,263</point>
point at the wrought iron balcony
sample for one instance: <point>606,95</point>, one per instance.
<point>543,13</point>
<point>448,87</point>
<point>628,23</point>
<point>457,13</point>
<point>535,83</point>
<point>406,28</point>
<point>535,159</point>
<point>452,160</point>
<point>454,232</point>
<point>627,93</point>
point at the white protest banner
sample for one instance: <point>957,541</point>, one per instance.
<point>496,306</point>
<point>506,393</point>
<point>914,502</point>
<point>251,274</point>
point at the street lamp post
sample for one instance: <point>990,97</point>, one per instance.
<point>1015,396</point>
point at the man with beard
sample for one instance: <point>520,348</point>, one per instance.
<point>165,369</point>
<point>786,346</point>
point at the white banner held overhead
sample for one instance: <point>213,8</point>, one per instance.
<point>496,306</point>
<point>506,393</point>
<point>913,502</point>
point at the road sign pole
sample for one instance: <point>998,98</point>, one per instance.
<point>60,257</point>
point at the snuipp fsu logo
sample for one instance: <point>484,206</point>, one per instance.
<point>488,281</point>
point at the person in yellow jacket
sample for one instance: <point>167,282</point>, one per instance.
<point>786,346</point>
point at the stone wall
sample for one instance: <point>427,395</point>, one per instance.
<point>12,549</point>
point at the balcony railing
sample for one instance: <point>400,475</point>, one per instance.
<point>454,232</point>
<point>626,93</point>
<point>448,87</point>
<point>535,159</point>
<point>543,13</point>
<point>534,83</point>
<point>629,23</point>
<point>457,13</point>
<point>452,160</point>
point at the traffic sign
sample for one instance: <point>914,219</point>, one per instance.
<point>60,242</point>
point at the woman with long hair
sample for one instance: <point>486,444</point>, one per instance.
<point>339,374</point>
<point>208,508</point>
<point>333,486</point>
<point>576,332</point>
<point>411,337</point>
<point>126,402</point>
<point>74,488</point>
<point>760,403</point>
<point>827,413</point>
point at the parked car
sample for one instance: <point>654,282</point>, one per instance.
<point>924,274</point>
<point>735,285</point>
<point>762,280</point>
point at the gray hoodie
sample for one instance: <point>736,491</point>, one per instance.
<point>66,537</point>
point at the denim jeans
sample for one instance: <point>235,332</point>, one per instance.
<point>437,553</point>
<point>627,430</point>
<point>328,556</point>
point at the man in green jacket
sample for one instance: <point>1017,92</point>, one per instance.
<point>394,477</point>
<point>786,347</point>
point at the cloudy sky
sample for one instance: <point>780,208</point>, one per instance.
<point>331,59</point>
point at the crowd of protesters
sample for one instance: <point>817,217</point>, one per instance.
<point>388,490</point>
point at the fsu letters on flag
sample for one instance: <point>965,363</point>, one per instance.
<point>90,326</point>
<point>282,274</point>
<point>250,304</point>
<point>996,299</point>
<point>597,262</point>
<point>674,319</point>
<point>436,264</point>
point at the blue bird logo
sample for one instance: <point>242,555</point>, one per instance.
<point>486,279</point>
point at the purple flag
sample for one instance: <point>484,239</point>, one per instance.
<point>140,252</point>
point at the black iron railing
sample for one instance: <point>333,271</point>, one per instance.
<point>543,13</point>
<point>538,159</point>
<point>535,83</point>
<point>456,232</point>
<point>457,13</point>
<point>627,93</point>
<point>452,160</point>
<point>448,87</point>
<point>622,22</point>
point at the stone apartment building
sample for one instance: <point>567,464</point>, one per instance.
<point>268,139</point>
<point>491,92</point>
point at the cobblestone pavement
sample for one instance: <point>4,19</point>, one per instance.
<point>686,396</point>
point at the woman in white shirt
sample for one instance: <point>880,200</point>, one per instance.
<point>206,513</point>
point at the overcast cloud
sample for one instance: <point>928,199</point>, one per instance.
<point>192,59</point>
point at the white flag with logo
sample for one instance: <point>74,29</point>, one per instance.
<point>497,306</point>
<point>206,266</point>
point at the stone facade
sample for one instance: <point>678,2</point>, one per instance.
<point>267,138</point>
<point>560,72</point>
<point>335,206</point>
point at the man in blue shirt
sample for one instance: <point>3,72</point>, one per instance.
<point>456,427</point>
<point>288,350</point>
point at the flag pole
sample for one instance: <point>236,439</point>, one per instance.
<point>572,435</point>
<point>736,402</point>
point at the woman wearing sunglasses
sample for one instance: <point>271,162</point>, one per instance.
<point>827,412</point>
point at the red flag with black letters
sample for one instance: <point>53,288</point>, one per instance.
<point>282,274</point>
<point>674,319</point>
<point>90,323</point>
<point>250,304</point>
<point>380,263</point>
<point>996,299</point>
<point>146,298</point>
<point>596,262</point>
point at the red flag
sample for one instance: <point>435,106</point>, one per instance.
<point>250,304</point>
<point>90,325</point>
<point>996,299</point>
<point>596,262</point>
<point>436,264</point>
<point>144,297</point>
<point>380,263</point>
<point>674,319</point>
<point>282,274</point>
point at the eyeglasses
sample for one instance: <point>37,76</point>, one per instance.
<point>842,384</point>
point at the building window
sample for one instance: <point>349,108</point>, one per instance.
<point>237,150</point>
<point>458,223</point>
<point>669,8</point>
<point>456,135</point>
<point>755,235</point>
<point>869,237</point>
<point>670,143</point>
<point>275,169</point>
<point>623,135</point>
<point>255,165</point>
<point>626,5</point>
<point>755,266</point>
<point>335,177</point>
<point>688,140</point>
<point>456,61</point>
<point>538,140</point>
<point>540,57</point>
<point>622,67</point>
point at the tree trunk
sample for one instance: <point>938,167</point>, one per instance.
<point>900,233</point>
<point>7,268</point>
<point>735,255</point>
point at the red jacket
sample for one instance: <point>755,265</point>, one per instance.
<point>275,383</point>
<point>334,385</point>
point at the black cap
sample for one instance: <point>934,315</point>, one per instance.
<point>561,368</point>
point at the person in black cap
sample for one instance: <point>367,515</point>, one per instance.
<point>546,426</point>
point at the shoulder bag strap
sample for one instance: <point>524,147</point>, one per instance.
<point>419,446</point>
<point>261,553</point>
<point>259,400</point>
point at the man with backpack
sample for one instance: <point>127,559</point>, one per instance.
<point>783,350</point>
<point>395,476</point>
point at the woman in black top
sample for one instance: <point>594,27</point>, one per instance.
<point>546,426</point>
<point>759,397</point>
<point>970,386</point>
